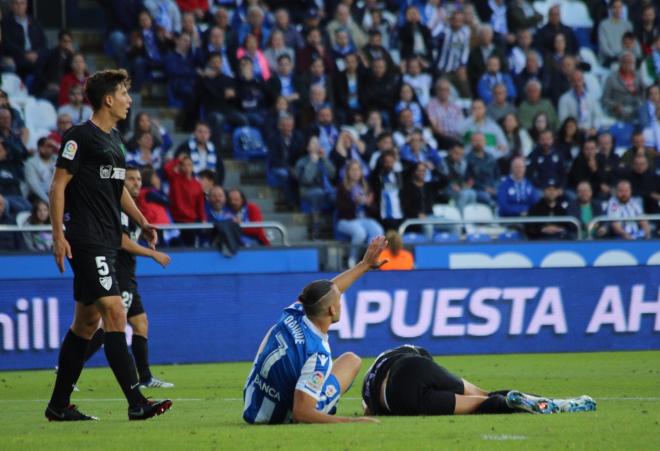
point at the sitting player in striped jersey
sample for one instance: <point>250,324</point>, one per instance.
<point>407,381</point>
<point>294,378</point>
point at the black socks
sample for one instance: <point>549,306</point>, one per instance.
<point>123,366</point>
<point>141,355</point>
<point>70,364</point>
<point>495,404</point>
<point>95,344</point>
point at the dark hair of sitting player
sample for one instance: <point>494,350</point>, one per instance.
<point>312,297</point>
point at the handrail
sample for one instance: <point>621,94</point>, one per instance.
<point>592,224</point>
<point>518,220</point>
<point>281,228</point>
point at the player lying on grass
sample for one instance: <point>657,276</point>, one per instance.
<point>407,381</point>
<point>293,377</point>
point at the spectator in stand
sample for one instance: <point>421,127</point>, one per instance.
<point>500,106</point>
<point>317,99</point>
<point>23,39</point>
<point>344,20</point>
<point>349,147</point>
<point>533,71</point>
<point>342,47</point>
<point>647,111</point>
<point>518,53</point>
<point>187,200</point>
<point>325,129</point>
<point>166,15</point>
<point>216,43</point>
<point>221,21</point>
<point>476,65</point>
<point>145,153</point>
<point>652,62</point>
<point>387,184</point>
<point>552,61</point>
<point>638,148</point>
<point>190,27</point>
<point>545,37</point>
<point>533,105</point>
<point>226,234</point>
<point>478,122</point>
<point>180,71</point>
<point>53,67</point>
<point>375,50</point>
<point>317,75</point>
<point>459,186</point>
<point>516,194</point>
<point>39,169</point>
<point>292,37</point>
<point>64,122</point>
<point>415,38</point>
<point>645,184</point>
<point>578,104</point>
<point>453,53</point>
<point>356,209</point>
<point>629,44</point>
<point>285,83</point>
<point>284,149</point>
<point>418,197</point>
<point>648,28</point>
<point>207,178</point>
<point>152,202</point>
<point>314,49</point>
<point>202,152</point>
<point>251,51</point>
<point>545,163</point>
<point>18,127</point>
<point>385,143</point>
<point>244,212</point>
<point>539,125</point>
<point>416,151</point>
<point>652,133</point>
<point>75,107</point>
<point>255,25</point>
<point>147,48</point>
<point>251,93</point>
<point>11,177</point>
<point>216,205</point>
<point>350,86</point>
<point>276,48</point>
<point>197,7</point>
<point>609,161</point>
<point>492,77</point>
<point>517,138</point>
<point>420,82</point>
<point>9,241</point>
<point>585,208</point>
<point>120,19</point>
<point>75,77</point>
<point>380,89</point>
<point>315,173</point>
<point>143,123</point>
<point>610,32</point>
<point>586,167</point>
<point>12,140</point>
<point>623,206</point>
<point>569,139</point>
<point>406,127</point>
<point>397,258</point>
<point>623,91</point>
<point>38,241</point>
<point>521,16</point>
<point>552,204</point>
<point>408,101</point>
<point>377,19</point>
<point>482,170</point>
<point>446,117</point>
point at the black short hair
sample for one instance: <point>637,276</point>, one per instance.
<point>63,33</point>
<point>104,83</point>
<point>283,56</point>
<point>132,167</point>
<point>312,294</point>
<point>208,174</point>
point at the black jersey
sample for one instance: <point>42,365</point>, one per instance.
<point>375,375</point>
<point>92,206</point>
<point>126,262</point>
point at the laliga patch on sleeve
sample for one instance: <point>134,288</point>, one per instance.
<point>315,382</point>
<point>70,149</point>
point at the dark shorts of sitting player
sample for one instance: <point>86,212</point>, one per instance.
<point>94,274</point>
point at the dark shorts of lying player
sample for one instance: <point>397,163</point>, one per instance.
<point>407,381</point>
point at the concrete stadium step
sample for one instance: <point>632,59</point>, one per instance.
<point>253,191</point>
<point>99,61</point>
<point>288,219</point>
<point>267,206</point>
<point>87,40</point>
<point>297,234</point>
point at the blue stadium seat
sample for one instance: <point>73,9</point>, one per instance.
<point>478,237</point>
<point>414,238</point>
<point>510,235</point>
<point>248,144</point>
<point>446,237</point>
<point>622,134</point>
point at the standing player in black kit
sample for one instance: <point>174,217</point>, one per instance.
<point>87,195</point>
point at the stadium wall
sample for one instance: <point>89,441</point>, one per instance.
<point>211,318</point>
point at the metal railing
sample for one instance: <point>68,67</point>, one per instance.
<point>599,219</point>
<point>492,221</point>
<point>281,228</point>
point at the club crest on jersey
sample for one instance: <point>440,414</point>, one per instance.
<point>70,149</point>
<point>106,282</point>
<point>330,391</point>
<point>106,171</point>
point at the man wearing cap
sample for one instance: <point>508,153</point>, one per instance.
<point>294,378</point>
<point>551,204</point>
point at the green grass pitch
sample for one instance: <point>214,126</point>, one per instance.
<point>207,410</point>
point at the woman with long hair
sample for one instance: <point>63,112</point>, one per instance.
<point>356,209</point>
<point>38,241</point>
<point>143,123</point>
<point>569,139</point>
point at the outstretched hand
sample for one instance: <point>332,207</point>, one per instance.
<point>150,234</point>
<point>374,250</point>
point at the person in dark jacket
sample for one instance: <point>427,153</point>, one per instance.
<point>545,36</point>
<point>415,37</point>
<point>585,208</point>
<point>587,167</point>
<point>387,184</point>
<point>350,85</point>
<point>53,66</point>
<point>285,147</point>
<point>381,88</point>
<point>252,94</point>
<point>23,39</point>
<point>545,163</point>
<point>476,65</point>
<point>180,72</point>
<point>552,204</point>
<point>11,176</point>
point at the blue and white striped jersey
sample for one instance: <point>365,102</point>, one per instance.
<point>295,355</point>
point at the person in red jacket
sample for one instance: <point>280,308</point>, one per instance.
<point>197,7</point>
<point>77,76</point>
<point>187,201</point>
<point>243,212</point>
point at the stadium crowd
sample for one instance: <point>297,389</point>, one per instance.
<point>366,112</point>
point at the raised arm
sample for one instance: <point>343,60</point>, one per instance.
<point>369,261</point>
